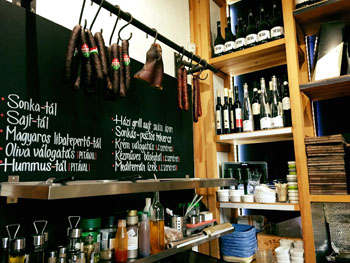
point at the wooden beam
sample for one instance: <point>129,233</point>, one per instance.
<point>220,3</point>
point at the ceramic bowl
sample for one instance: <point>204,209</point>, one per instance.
<point>235,193</point>
<point>248,198</point>
<point>298,244</point>
<point>297,252</point>
<point>235,198</point>
<point>280,251</point>
<point>286,243</point>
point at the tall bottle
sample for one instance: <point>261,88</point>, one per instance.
<point>232,111</point>
<point>238,112</point>
<point>238,177</point>
<point>226,113</point>
<point>248,121</point>
<point>263,28</point>
<point>144,237</point>
<point>265,116</point>
<point>157,225</point>
<point>121,242</point>
<point>286,105</point>
<point>132,221</point>
<point>240,35</point>
<point>219,114</point>
<point>276,110</point>
<point>277,29</point>
<point>256,109</point>
<point>229,38</point>
<point>251,37</point>
<point>219,43</point>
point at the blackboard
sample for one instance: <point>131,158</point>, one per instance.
<point>49,130</point>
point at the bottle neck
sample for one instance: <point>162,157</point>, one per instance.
<point>218,100</point>
<point>219,30</point>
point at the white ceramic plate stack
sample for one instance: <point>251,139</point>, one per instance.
<point>282,255</point>
<point>263,194</point>
<point>292,178</point>
<point>223,195</point>
<point>297,255</point>
<point>235,195</point>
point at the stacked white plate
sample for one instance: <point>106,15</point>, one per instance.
<point>263,194</point>
<point>282,255</point>
<point>292,178</point>
<point>297,255</point>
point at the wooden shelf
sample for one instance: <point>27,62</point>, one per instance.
<point>327,88</point>
<point>311,17</point>
<point>273,135</point>
<point>252,59</point>
<point>260,206</point>
<point>330,198</point>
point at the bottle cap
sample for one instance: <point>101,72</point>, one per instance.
<point>90,223</point>
<point>132,217</point>
<point>38,240</point>
<point>18,244</point>
<point>121,223</point>
<point>4,242</point>
<point>62,250</point>
<point>52,254</point>
<point>132,212</point>
<point>75,233</point>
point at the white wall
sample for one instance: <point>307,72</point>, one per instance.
<point>169,17</point>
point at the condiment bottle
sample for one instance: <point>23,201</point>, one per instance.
<point>17,250</point>
<point>52,257</point>
<point>89,248</point>
<point>147,206</point>
<point>121,242</point>
<point>157,225</point>
<point>107,238</point>
<point>75,243</point>
<point>92,227</point>
<point>62,253</point>
<point>144,236</point>
<point>4,252</point>
<point>38,253</point>
<point>132,221</point>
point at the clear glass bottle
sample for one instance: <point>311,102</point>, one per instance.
<point>121,242</point>
<point>144,237</point>
<point>219,43</point>
<point>229,38</point>
<point>265,116</point>
<point>286,105</point>
<point>248,121</point>
<point>276,110</point>
<point>157,225</point>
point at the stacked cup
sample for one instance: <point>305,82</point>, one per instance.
<point>223,195</point>
<point>297,255</point>
<point>235,195</point>
<point>293,193</point>
<point>282,252</point>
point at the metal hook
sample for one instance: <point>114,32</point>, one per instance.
<point>70,221</point>
<point>8,230</point>
<point>98,11</point>
<point>155,38</point>
<point>82,11</point>
<point>199,75</point>
<point>119,38</point>
<point>40,221</point>
<point>115,25</point>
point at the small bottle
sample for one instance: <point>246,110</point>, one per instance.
<point>219,114</point>
<point>277,30</point>
<point>226,113</point>
<point>157,225</point>
<point>240,35</point>
<point>256,109</point>
<point>52,256</point>
<point>248,121</point>
<point>232,111</point>
<point>144,237</point>
<point>147,206</point>
<point>17,250</point>
<point>229,38</point>
<point>4,250</point>
<point>121,242</point>
<point>263,28</point>
<point>219,43</point>
<point>265,116</point>
<point>238,112</point>
<point>286,105</point>
<point>251,37</point>
<point>89,248</point>
<point>132,221</point>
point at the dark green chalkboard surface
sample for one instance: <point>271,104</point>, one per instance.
<point>49,130</point>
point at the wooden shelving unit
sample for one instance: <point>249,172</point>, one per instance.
<point>273,135</point>
<point>330,198</point>
<point>327,88</point>
<point>252,59</point>
<point>260,206</point>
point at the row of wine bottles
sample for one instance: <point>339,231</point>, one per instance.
<point>249,34</point>
<point>266,111</point>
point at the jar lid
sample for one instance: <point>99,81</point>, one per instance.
<point>52,254</point>
<point>4,242</point>
<point>18,244</point>
<point>38,240</point>
<point>132,212</point>
<point>90,223</point>
<point>75,233</point>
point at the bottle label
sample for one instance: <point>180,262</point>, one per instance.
<point>226,119</point>
<point>263,34</point>
<point>218,119</point>
<point>265,123</point>
<point>218,49</point>
<point>232,120</point>
<point>277,122</point>
<point>230,45</point>
<point>247,125</point>
<point>277,31</point>
<point>256,108</point>
<point>286,103</point>
<point>239,121</point>
<point>280,107</point>
<point>132,239</point>
<point>240,42</point>
<point>250,39</point>
<point>268,108</point>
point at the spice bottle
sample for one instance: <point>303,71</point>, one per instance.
<point>157,225</point>
<point>144,236</point>
<point>107,238</point>
<point>4,252</point>
<point>132,221</point>
<point>17,250</point>
<point>52,256</point>
<point>89,248</point>
<point>62,253</point>
<point>91,227</point>
<point>147,206</point>
<point>121,242</point>
<point>38,253</point>
<point>75,243</point>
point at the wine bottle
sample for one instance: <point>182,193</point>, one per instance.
<point>302,3</point>
<point>276,111</point>
<point>238,112</point>
<point>286,105</point>
<point>270,94</point>
<point>265,116</point>
<point>277,30</point>
<point>263,29</point>
<point>219,114</point>
<point>240,35</point>
<point>279,94</point>
<point>256,109</point>
<point>219,47</point>
<point>232,111</point>
<point>251,37</point>
<point>229,38</point>
<point>226,113</point>
<point>248,121</point>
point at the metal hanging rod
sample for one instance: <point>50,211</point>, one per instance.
<point>125,16</point>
